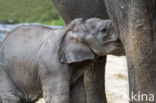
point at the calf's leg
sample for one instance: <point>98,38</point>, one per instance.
<point>95,82</point>
<point>8,92</point>
<point>55,86</point>
<point>78,93</point>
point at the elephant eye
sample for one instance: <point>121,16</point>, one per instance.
<point>104,30</point>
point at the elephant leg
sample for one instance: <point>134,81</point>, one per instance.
<point>10,99</point>
<point>78,93</point>
<point>56,92</point>
<point>70,9</point>
<point>135,20</point>
<point>95,82</point>
<point>8,93</point>
<point>56,88</point>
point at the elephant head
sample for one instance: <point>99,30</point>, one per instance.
<point>85,39</point>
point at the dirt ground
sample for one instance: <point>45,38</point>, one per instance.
<point>116,80</point>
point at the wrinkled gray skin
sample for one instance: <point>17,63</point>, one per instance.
<point>71,9</point>
<point>95,76</point>
<point>135,21</point>
<point>37,61</point>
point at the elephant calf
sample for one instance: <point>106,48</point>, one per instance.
<point>37,61</point>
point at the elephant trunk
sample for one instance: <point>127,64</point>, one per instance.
<point>95,82</point>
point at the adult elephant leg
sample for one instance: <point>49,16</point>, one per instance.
<point>135,21</point>
<point>95,82</point>
<point>71,9</point>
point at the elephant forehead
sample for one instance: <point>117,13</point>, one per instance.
<point>96,23</point>
<point>93,21</point>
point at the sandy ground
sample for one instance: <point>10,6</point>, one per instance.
<point>116,80</point>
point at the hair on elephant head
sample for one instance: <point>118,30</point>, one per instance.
<point>85,39</point>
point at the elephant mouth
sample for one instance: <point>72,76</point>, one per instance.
<point>118,48</point>
<point>113,41</point>
<point>118,52</point>
<point>114,47</point>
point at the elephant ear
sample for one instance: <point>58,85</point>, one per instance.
<point>73,49</point>
<point>75,53</point>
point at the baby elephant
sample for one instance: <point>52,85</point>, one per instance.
<point>38,61</point>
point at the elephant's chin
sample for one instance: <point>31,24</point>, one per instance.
<point>101,52</point>
<point>118,52</point>
<point>110,49</point>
